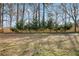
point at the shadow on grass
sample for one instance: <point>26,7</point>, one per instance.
<point>45,48</point>
<point>75,44</point>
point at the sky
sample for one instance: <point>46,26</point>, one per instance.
<point>28,7</point>
<point>39,1</point>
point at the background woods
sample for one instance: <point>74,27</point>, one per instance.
<point>43,17</point>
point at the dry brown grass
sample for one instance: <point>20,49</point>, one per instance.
<point>39,44</point>
<point>1,30</point>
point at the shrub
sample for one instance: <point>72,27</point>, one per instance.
<point>20,25</point>
<point>14,30</point>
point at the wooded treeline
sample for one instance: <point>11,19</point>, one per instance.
<point>46,17</point>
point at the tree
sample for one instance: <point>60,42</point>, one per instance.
<point>17,18</point>
<point>39,14</point>
<point>49,24</point>
<point>35,21</point>
<point>43,20</point>
<point>72,12</point>
<point>10,6</point>
<point>0,15</point>
<point>23,14</point>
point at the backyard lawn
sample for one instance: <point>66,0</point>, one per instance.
<point>39,44</point>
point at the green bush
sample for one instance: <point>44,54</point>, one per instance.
<point>66,26</point>
<point>49,24</point>
<point>34,25</point>
<point>20,25</point>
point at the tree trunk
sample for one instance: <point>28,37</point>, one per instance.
<point>0,14</point>
<point>10,21</point>
<point>39,14</point>
<point>43,15</point>
<point>65,22</point>
<point>17,13</point>
<point>23,14</point>
<point>10,14</point>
